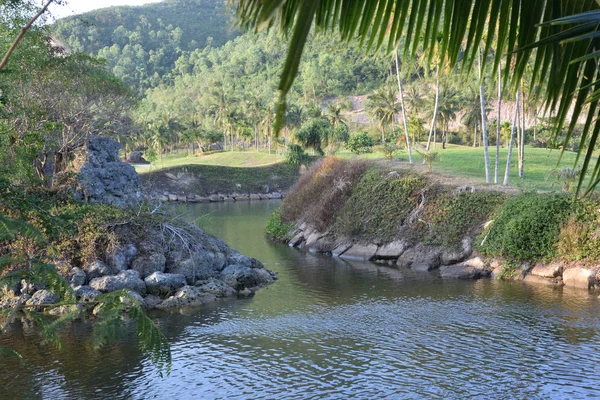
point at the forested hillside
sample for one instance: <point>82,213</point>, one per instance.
<point>142,43</point>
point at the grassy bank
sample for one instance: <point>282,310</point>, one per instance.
<point>207,179</point>
<point>374,203</point>
<point>247,159</point>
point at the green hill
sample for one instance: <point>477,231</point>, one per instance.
<point>141,44</point>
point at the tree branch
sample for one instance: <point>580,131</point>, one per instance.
<point>22,32</point>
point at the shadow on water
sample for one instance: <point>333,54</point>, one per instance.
<point>329,328</point>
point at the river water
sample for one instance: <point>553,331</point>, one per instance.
<point>333,329</point>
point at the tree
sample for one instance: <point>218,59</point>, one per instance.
<point>561,39</point>
<point>382,106</point>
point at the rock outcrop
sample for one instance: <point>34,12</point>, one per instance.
<point>103,177</point>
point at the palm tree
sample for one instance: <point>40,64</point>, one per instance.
<point>334,115</point>
<point>382,106</point>
<point>561,38</point>
<point>449,105</point>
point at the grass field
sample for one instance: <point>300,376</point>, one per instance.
<point>467,162</point>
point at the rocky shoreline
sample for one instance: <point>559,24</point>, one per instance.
<point>214,198</point>
<point>160,261</point>
<point>463,263</point>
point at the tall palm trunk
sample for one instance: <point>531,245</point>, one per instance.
<point>410,159</point>
<point>498,120</point>
<point>256,138</point>
<point>512,139</point>
<point>522,141</point>
<point>435,107</point>
<point>484,132</point>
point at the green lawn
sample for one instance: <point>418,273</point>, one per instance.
<point>467,162</point>
<point>246,159</point>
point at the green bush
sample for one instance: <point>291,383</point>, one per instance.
<point>580,235</point>
<point>296,156</point>
<point>360,143</point>
<point>276,229</point>
<point>527,227</point>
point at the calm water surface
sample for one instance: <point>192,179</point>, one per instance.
<point>336,330</point>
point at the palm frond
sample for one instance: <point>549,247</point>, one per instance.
<point>11,228</point>
<point>561,36</point>
<point>8,352</point>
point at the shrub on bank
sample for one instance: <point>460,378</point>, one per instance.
<point>527,227</point>
<point>277,229</point>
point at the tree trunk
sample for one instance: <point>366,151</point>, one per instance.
<point>512,139</point>
<point>256,138</point>
<point>523,133</point>
<point>486,154</point>
<point>474,134</point>
<point>435,108</point>
<point>498,123</point>
<point>410,159</point>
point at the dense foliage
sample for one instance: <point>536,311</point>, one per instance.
<point>142,44</point>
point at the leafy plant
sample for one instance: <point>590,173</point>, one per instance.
<point>277,229</point>
<point>527,227</point>
<point>296,156</point>
<point>360,143</point>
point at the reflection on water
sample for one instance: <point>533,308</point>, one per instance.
<point>334,329</point>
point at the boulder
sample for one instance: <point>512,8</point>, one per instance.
<point>136,157</point>
<point>453,256</point>
<point>538,280</point>
<point>85,294</point>
<point>324,244</point>
<point>547,271</point>
<point>296,240</point>
<point>187,296</point>
<point>132,298</point>
<point>360,251</point>
<point>474,268</point>
<point>77,277</point>
<point>578,277</point>
<point>173,197</point>
<point>164,285</point>
<point>420,258</point>
<point>340,247</point>
<point>121,258</point>
<point>149,264</point>
<point>182,198</point>
<point>240,276</point>
<point>195,268</point>
<point>391,250</point>
<point>215,198</point>
<point>215,287</point>
<point>129,279</point>
<point>254,197</point>
<point>96,269</point>
<point>151,301</point>
<point>42,297</point>
<point>103,177</point>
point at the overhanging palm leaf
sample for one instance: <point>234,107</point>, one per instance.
<point>565,50</point>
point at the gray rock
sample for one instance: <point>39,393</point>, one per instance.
<point>474,268</point>
<point>132,298</point>
<point>148,264</point>
<point>391,250</point>
<point>42,297</point>
<point>77,277</point>
<point>215,287</point>
<point>187,296</point>
<point>172,197</point>
<point>103,177</point>
<point>324,244</point>
<point>240,277</point>
<point>164,285</point>
<point>360,252</point>
<point>151,301</point>
<point>129,279</point>
<point>454,256</point>
<point>578,277</point>
<point>121,259</point>
<point>547,271</point>
<point>215,198</point>
<point>254,197</point>
<point>27,287</point>
<point>340,247</point>
<point>538,280</point>
<point>201,266</point>
<point>85,294</point>
<point>96,269</point>
<point>420,258</point>
<point>136,157</point>
<point>296,240</point>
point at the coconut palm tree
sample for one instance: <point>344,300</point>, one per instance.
<point>561,37</point>
<point>382,106</point>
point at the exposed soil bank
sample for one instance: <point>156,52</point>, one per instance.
<point>360,210</point>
